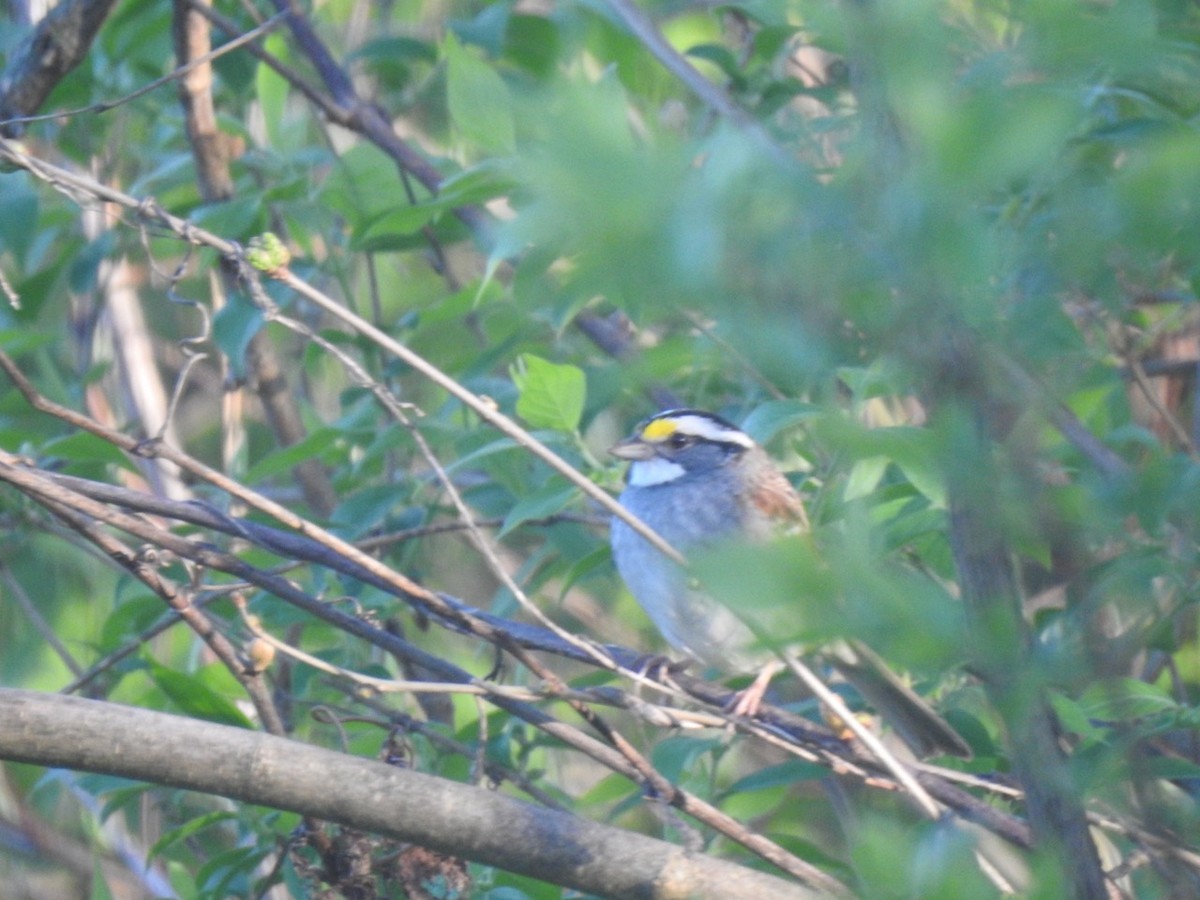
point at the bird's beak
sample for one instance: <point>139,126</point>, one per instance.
<point>633,448</point>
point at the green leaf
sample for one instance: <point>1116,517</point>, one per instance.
<point>22,340</point>
<point>239,218</point>
<point>769,419</point>
<point>1167,767</point>
<point>546,501</point>
<point>86,267</point>
<point>913,450</point>
<point>272,90</point>
<point>364,509</point>
<point>551,395</point>
<point>479,101</point>
<point>196,699</point>
<point>505,893</point>
<point>84,447</point>
<point>607,790</point>
<point>395,47</point>
<point>227,874</point>
<point>234,326</point>
<point>600,558</point>
<point>401,221</point>
<point>532,42</point>
<point>722,58</point>
<point>100,889</point>
<point>675,757</point>
<point>500,445</point>
<point>1074,718</point>
<point>864,477</point>
<point>486,179</point>
<point>1125,699</point>
<point>778,776</point>
<point>186,831</point>
<point>772,39</point>
<point>132,616</point>
<point>361,186</point>
<point>287,458</point>
<point>18,216</point>
<point>117,798</point>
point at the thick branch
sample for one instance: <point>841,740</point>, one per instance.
<point>190,34</point>
<point>210,150</point>
<point>347,109</point>
<point>296,547</point>
<point>51,50</point>
<point>454,818</point>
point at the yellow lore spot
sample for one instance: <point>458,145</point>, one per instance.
<point>659,430</point>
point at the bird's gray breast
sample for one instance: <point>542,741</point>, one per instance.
<point>691,517</point>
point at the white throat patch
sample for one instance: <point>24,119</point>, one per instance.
<point>656,470</point>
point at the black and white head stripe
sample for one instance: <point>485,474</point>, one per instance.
<point>692,423</point>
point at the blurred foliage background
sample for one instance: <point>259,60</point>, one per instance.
<point>851,228</point>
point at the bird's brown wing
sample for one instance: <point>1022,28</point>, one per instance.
<point>776,499</point>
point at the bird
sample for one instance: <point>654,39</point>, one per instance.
<point>698,481</point>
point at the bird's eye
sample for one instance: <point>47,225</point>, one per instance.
<point>678,440</point>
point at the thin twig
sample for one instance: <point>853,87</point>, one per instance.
<point>79,512</point>
<point>1067,423</point>
<point>14,299</point>
<point>381,685</point>
<point>642,27</point>
<point>486,410</point>
<point>47,634</point>
<point>397,410</point>
<point>1172,422</point>
<point>842,712</point>
<point>104,106</point>
<point>481,407</point>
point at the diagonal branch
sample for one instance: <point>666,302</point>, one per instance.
<point>344,107</point>
<point>642,27</point>
<point>79,185</point>
<point>784,729</point>
<point>56,46</point>
<point>63,504</point>
<point>205,555</point>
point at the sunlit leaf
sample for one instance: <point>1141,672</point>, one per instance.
<point>478,98</point>
<point>550,395</point>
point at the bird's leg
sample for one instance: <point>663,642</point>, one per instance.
<point>747,701</point>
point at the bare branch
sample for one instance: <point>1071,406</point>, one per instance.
<point>444,815</point>
<point>79,513</point>
<point>485,409</point>
<point>783,729</point>
<point>211,151</point>
<point>56,46</point>
<point>642,27</point>
<point>182,73</point>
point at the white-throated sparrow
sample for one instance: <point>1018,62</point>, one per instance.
<point>697,480</point>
